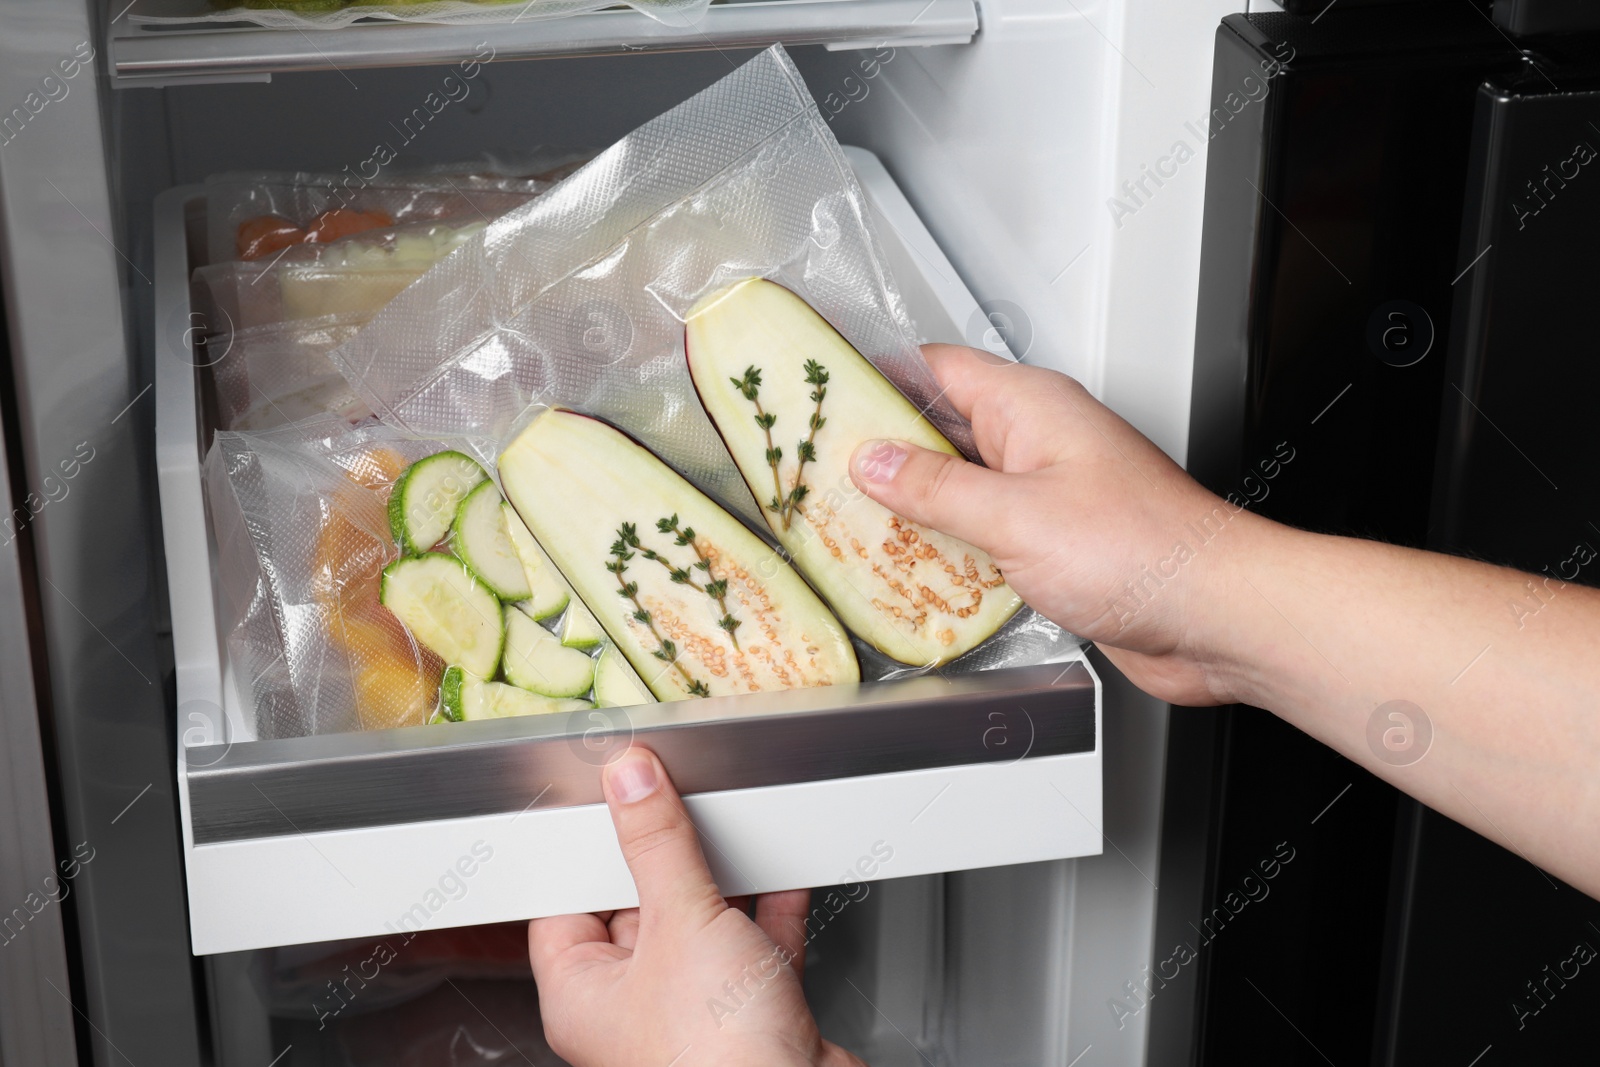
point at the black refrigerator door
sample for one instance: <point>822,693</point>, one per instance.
<point>1493,953</point>
<point>1334,264</point>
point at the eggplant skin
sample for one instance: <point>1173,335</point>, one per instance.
<point>916,595</point>
<point>576,480</point>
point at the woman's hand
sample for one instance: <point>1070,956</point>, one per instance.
<point>1367,647</point>
<point>684,979</point>
<point>1083,514</point>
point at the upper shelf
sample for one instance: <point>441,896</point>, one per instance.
<point>142,54</point>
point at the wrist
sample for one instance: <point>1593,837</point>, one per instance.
<point>1234,616</point>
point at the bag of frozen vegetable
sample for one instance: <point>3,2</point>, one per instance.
<point>668,361</point>
<point>279,373</point>
<point>252,216</point>
<point>377,579</point>
<point>300,516</point>
<point>330,14</point>
<point>353,276</point>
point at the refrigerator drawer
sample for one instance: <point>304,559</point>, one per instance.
<point>361,834</point>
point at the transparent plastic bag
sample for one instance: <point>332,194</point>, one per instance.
<point>301,520</point>
<point>463,1024</point>
<point>578,298</point>
<point>353,276</point>
<point>331,14</point>
<point>235,202</point>
<point>343,979</point>
<point>277,374</point>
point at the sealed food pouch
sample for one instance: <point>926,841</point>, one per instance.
<point>675,352</point>
<point>331,14</point>
<point>256,215</point>
<point>354,276</point>
<point>300,514</point>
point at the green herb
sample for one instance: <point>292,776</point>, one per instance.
<point>717,590</point>
<point>786,505</point>
<point>750,387</point>
<point>667,651</point>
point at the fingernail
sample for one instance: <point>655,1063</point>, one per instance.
<point>880,461</point>
<point>632,777</point>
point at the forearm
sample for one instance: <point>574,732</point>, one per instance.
<point>1504,666</point>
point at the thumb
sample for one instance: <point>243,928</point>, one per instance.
<point>933,489</point>
<point>659,844</point>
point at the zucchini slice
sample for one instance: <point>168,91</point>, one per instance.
<point>466,698</point>
<point>579,628</point>
<point>446,609</point>
<point>675,581</point>
<point>792,400</point>
<point>616,684</point>
<point>548,592</point>
<point>479,538</point>
<point>423,502</point>
<point>536,661</point>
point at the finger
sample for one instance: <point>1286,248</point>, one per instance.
<point>740,904</point>
<point>932,488</point>
<point>782,917</point>
<point>624,928</point>
<point>659,844</point>
<point>962,373</point>
<point>550,940</point>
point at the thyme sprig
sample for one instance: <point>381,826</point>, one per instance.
<point>816,375</point>
<point>715,588</point>
<point>750,387</point>
<point>621,552</point>
<point>786,505</point>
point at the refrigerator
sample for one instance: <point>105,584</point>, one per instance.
<point>998,129</point>
<point>1382,291</point>
<point>1056,180</point>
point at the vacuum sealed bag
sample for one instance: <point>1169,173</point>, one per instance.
<point>276,374</point>
<point>300,515</point>
<point>353,276</point>
<point>659,479</point>
<point>330,14</point>
<point>257,215</point>
<point>376,579</point>
<point>299,262</point>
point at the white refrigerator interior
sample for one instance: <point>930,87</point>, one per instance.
<point>1048,148</point>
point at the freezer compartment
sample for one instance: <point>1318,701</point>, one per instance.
<point>145,54</point>
<point>353,835</point>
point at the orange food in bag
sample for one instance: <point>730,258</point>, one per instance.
<point>395,680</point>
<point>267,235</point>
<point>342,222</point>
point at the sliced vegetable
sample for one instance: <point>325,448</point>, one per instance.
<point>548,592</point>
<point>579,628</point>
<point>446,609</point>
<point>675,581</point>
<point>537,662</point>
<point>342,222</point>
<point>479,539</point>
<point>466,697</point>
<point>616,684</point>
<point>423,502</point>
<point>266,234</point>
<point>450,693</point>
<point>792,400</point>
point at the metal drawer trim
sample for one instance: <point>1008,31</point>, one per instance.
<point>456,770</point>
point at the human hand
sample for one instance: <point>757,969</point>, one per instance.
<point>684,979</point>
<point>1083,514</point>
